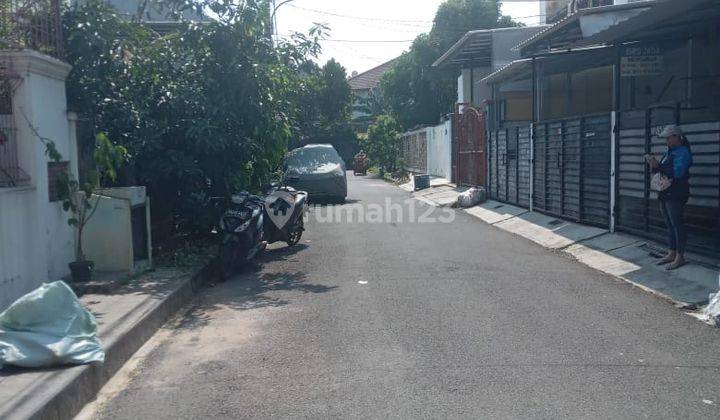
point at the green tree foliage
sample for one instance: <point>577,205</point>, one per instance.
<point>334,101</point>
<point>325,98</point>
<point>418,93</point>
<point>203,111</point>
<point>382,145</point>
<point>335,95</point>
<point>373,104</point>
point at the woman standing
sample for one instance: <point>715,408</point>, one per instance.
<point>673,195</point>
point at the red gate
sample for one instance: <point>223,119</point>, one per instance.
<point>469,141</point>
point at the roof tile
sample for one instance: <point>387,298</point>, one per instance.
<point>371,78</point>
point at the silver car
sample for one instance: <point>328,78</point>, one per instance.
<point>317,169</point>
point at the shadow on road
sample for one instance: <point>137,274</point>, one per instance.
<point>282,253</point>
<point>253,289</point>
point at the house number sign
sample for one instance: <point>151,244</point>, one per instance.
<point>641,60</point>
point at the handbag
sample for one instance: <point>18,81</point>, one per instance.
<point>660,182</point>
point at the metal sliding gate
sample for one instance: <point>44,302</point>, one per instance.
<point>509,150</point>
<point>469,147</point>
<point>571,174</point>
<point>572,168</point>
<point>637,208</point>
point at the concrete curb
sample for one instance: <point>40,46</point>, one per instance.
<point>81,384</point>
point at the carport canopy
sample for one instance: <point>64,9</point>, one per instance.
<point>473,49</point>
<point>510,71</point>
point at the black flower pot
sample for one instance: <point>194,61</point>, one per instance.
<point>81,271</point>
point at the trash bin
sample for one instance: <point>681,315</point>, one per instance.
<point>422,182</point>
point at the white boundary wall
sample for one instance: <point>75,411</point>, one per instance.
<point>439,150</point>
<point>36,243</point>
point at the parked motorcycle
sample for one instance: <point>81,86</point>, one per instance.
<point>284,211</point>
<point>240,232</point>
<point>251,222</point>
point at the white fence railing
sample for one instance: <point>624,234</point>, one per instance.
<point>413,150</point>
<point>429,150</point>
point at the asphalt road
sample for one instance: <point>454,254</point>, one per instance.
<point>401,319</point>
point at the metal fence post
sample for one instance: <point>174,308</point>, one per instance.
<point>532,165</point>
<point>561,165</point>
<point>581,170</point>
<point>517,165</point>
<point>646,174</point>
<point>613,164</point>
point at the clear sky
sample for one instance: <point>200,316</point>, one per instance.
<point>357,25</point>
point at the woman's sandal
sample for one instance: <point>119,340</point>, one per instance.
<point>665,260</point>
<point>674,265</point>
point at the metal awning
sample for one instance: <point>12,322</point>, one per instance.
<point>664,18</point>
<point>580,25</point>
<point>511,70</point>
<point>487,47</point>
<point>474,47</point>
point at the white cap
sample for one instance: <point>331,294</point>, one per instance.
<point>671,130</point>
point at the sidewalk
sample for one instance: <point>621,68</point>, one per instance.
<point>441,192</point>
<point>627,257</point>
<point>127,317</point>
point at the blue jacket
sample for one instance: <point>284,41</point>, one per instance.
<point>675,164</point>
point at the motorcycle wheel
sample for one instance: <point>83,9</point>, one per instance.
<point>226,261</point>
<point>296,233</point>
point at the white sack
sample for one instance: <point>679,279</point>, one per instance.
<point>471,197</point>
<point>48,327</point>
<point>712,311</point>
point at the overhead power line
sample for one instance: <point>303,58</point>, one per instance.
<point>346,49</point>
<point>369,40</point>
<point>393,21</point>
<point>373,19</point>
<point>361,40</point>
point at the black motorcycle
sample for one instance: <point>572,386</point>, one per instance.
<point>250,222</point>
<point>240,232</point>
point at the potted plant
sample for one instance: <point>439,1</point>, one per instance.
<point>78,198</point>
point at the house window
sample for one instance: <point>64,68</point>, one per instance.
<point>554,96</point>
<point>591,91</point>
<point>575,84</point>
<point>704,82</point>
<point>10,173</point>
<point>512,102</point>
<point>518,106</point>
<point>5,97</point>
<point>583,92</point>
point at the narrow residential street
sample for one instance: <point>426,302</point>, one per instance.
<point>402,319</point>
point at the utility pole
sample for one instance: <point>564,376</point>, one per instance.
<point>273,29</point>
